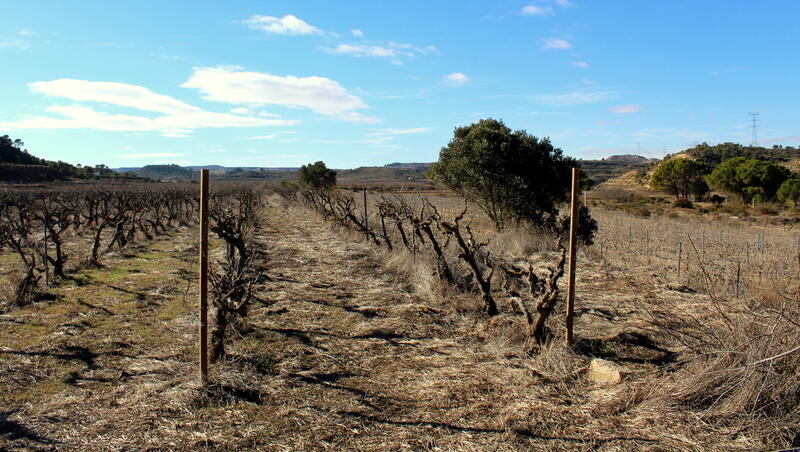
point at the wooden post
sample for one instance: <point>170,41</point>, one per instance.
<point>573,243</point>
<point>203,275</point>
<point>680,252</point>
<point>46,263</point>
<point>366,218</point>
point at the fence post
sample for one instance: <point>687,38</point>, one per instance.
<point>204,192</point>
<point>573,239</point>
<point>46,263</point>
<point>366,218</point>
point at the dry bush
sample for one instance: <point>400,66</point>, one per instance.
<point>750,367</point>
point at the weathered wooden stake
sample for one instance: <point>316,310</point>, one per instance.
<point>573,244</point>
<point>46,263</point>
<point>366,218</point>
<point>204,275</point>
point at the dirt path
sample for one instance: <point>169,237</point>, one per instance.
<point>344,354</point>
<point>362,361</point>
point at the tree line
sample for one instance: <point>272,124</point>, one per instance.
<point>747,179</point>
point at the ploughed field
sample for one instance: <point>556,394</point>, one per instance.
<point>350,346</point>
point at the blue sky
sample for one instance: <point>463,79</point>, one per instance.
<point>282,83</point>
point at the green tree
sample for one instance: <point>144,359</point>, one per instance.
<point>512,176</point>
<point>748,178</point>
<point>790,191</point>
<point>724,178</point>
<point>317,176</point>
<point>762,177</point>
<point>681,177</point>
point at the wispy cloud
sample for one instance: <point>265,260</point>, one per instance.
<point>286,25</point>
<point>533,10</point>
<point>364,50</point>
<point>394,50</point>
<point>580,64</point>
<point>556,44</point>
<point>413,130</point>
<point>176,118</point>
<point>357,33</point>
<point>319,94</point>
<point>625,109</point>
<point>574,98</point>
<point>457,78</point>
<point>14,43</point>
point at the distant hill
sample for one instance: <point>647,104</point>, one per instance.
<point>395,173</point>
<point>627,158</point>
<point>599,171</point>
<point>165,172</point>
<point>18,166</point>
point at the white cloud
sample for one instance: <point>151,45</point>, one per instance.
<point>393,50</point>
<point>357,33</point>
<point>177,118</point>
<point>457,78</point>
<point>556,44</point>
<point>575,98</point>
<point>580,64</point>
<point>587,81</point>
<point>532,10</point>
<point>625,109</point>
<point>362,50</point>
<point>26,32</point>
<point>287,25</point>
<point>121,94</point>
<point>414,130</point>
<point>563,3</point>
<point>318,94</point>
<point>151,155</point>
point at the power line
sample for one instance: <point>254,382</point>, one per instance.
<point>754,121</point>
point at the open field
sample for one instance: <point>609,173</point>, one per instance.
<point>351,346</point>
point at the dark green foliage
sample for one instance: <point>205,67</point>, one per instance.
<point>714,155</point>
<point>790,191</point>
<point>749,179</point>
<point>512,176</point>
<point>587,226</point>
<point>317,176</point>
<point>681,177</point>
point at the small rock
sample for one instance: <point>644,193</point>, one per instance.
<point>605,372</point>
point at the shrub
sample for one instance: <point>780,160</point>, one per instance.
<point>317,176</point>
<point>512,176</point>
<point>683,203</point>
